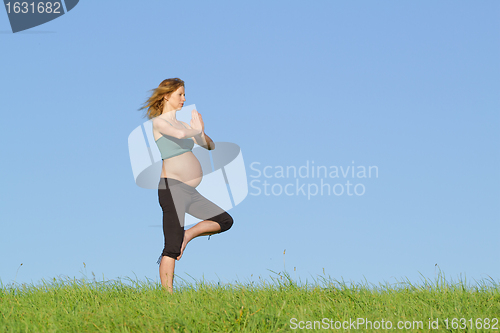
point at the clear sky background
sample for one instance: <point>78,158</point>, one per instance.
<point>409,87</point>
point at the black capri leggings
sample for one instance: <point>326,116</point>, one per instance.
<point>177,198</point>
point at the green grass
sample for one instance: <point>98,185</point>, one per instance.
<point>73,305</point>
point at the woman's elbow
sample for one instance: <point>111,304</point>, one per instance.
<point>181,135</point>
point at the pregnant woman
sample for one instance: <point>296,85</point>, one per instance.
<point>181,173</point>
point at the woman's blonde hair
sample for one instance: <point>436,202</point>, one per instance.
<point>155,102</point>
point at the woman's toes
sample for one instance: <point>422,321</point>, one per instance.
<point>183,246</point>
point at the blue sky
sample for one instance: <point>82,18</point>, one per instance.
<point>411,88</point>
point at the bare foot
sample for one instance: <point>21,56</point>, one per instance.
<point>183,246</point>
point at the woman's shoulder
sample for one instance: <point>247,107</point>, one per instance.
<point>161,121</point>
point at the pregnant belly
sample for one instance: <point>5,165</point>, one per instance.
<point>184,167</point>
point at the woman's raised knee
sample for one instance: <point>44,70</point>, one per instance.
<point>230,222</point>
<point>226,221</point>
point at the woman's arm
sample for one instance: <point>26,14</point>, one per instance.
<point>204,140</point>
<point>164,127</point>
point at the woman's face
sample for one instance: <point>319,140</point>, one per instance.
<point>176,99</point>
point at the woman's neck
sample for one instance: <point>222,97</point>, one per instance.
<point>169,115</point>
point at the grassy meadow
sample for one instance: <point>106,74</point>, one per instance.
<point>274,305</point>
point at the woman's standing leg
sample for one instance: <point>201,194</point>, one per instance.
<point>173,199</point>
<point>167,266</point>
